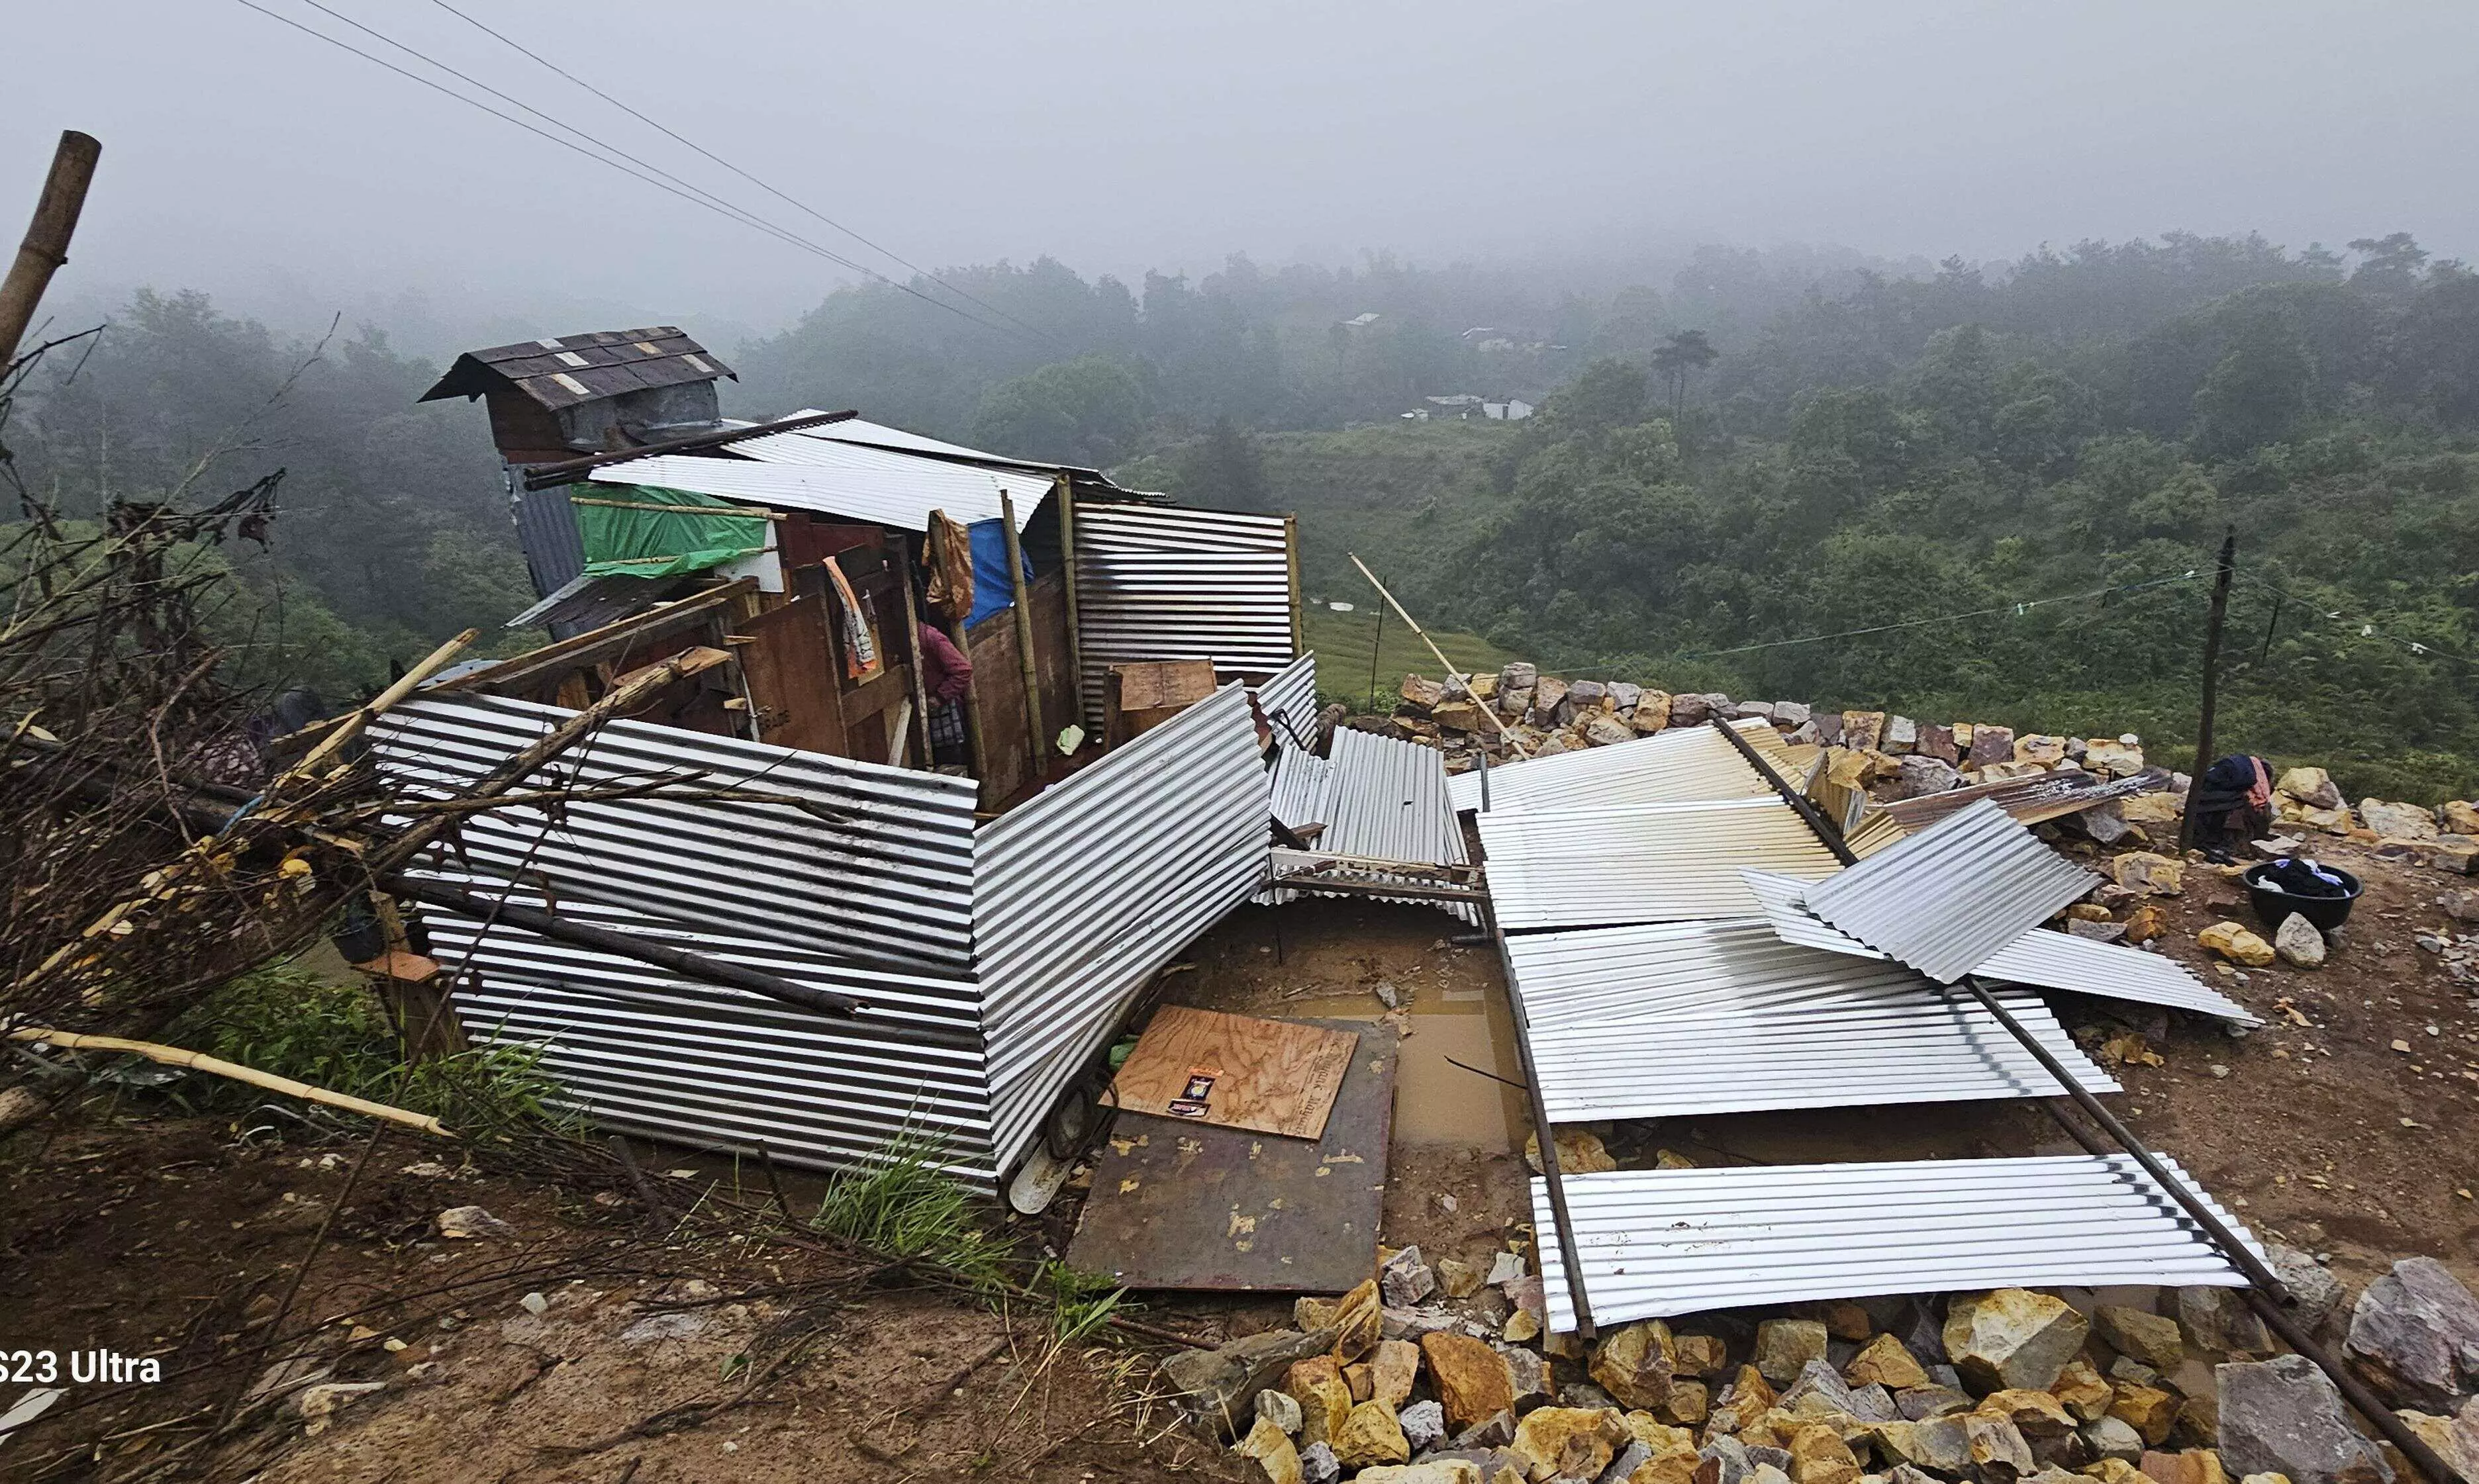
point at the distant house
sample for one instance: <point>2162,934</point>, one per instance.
<point>1511,410</point>
<point>1362,321</point>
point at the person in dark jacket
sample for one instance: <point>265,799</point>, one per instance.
<point>947,676</point>
<point>2232,804</point>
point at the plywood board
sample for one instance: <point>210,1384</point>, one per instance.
<point>1234,1070</point>
<point>1148,684</point>
<point>1181,1205</point>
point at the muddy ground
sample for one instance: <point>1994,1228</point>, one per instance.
<point>704,1352</point>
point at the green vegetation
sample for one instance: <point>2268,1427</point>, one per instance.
<point>905,1205</point>
<point>1341,641</point>
<point>291,1023</point>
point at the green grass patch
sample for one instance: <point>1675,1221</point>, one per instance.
<point>905,1205</point>
<point>1344,643</point>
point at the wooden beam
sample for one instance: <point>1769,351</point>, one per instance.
<point>583,649</point>
<point>46,245</point>
<point>543,476</point>
<point>199,1061</point>
<point>1024,639</point>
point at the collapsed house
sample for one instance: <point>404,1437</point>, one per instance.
<point>1135,666</point>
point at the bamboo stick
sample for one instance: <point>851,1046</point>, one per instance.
<point>199,1061</point>
<point>350,727</point>
<point>1490,707</point>
<point>1024,639</point>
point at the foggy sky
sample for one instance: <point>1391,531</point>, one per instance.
<point>286,177</point>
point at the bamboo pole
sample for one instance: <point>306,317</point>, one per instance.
<point>199,1061</point>
<point>1489,709</point>
<point>1024,655</point>
<point>46,245</point>
<point>913,642</point>
<point>352,727</point>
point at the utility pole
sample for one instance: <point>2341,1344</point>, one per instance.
<point>47,237</point>
<point>2212,687</point>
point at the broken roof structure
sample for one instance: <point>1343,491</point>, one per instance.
<point>1658,969</point>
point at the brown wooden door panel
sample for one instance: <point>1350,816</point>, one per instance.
<point>791,669</point>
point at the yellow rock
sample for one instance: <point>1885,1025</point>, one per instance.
<point>2089,911</point>
<point>2145,924</point>
<point>1392,1366</point>
<point>1579,1153</point>
<point>2461,818</point>
<point>1371,1435</point>
<point>2084,1392</point>
<point>1580,1441</point>
<point>2112,759</point>
<point>1688,1404</point>
<point>1356,1376</point>
<point>1472,1380</point>
<point>2150,809</point>
<point>2147,1409</point>
<point>1862,730</point>
<point>1671,1159</point>
<point>1887,1363</point>
<point>1521,1327</point>
<point>1359,1319</point>
<point>2034,1414</point>
<point>2233,942</point>
<point>1818,1455</point>
<point>1652,713</point>
<point>2117,1470</point>
<point>1635,1364</point>
<point>1317,1384</point>
<point>1277,1458</point>
<point>1676,1467</point>
<point>1657,1435</point>
<point>1701,1355</point>
<point>2042,751</point>
<point>2150,873</point>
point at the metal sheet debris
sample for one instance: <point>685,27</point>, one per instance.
<point>1946,898</point>
<point>1657,1243</point>
<point>1642,863</point>
<point>2029,800</point>
<point>1672,766</point>
<point>1700,1018</point>
<point>786,472</point>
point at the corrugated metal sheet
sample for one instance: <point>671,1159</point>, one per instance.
<point>1877,830</point>
<point>648,1052</point>
<point>1657,1243</point>
<point>1687,763</point>
<point>1946,898</point>
<point>1642,863</point>
<point>1704,1017</point>
<point>867,861</point>
<point>548,535</point>
<point>1300,787</point>
<point>1084,893</point>
<point>1155,582</point>
<point>2039,958</point>
<point>1389,801</point>
<point>586,602</point>
<point>850,481</point>
<point>877,434</point>
<point>1289,699</point>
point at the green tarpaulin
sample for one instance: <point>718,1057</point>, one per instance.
<point>649,530</point>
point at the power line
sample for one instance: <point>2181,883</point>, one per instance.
<point>2017,609</point>
<point>686,192</point>
<point>691,144</point>
<point>2367,628</point>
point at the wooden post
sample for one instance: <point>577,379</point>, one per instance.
<point>2212,687</point>
<point>912,645</point>
<point>1491,710</point>
<point>47,236</point>
<point>1067,561</point>
<point>1024,637</point>
<point>1291,572</point>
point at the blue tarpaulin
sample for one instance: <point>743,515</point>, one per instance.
<point>992,591</point>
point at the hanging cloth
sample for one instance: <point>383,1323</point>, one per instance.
<point>861,657</point>
<point>993,590</point>
<point>947,557</point>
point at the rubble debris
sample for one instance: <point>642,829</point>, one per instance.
<point>2150,1338</point>
<point>2415,1335</point>
<point>1220,1386</point>
<point>2283,1415</point>
<point>2012,1337</point>
<point>2299,942</point>
<point>1785,1346</point>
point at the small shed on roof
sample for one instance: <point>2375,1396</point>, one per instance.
<point>554,397</point>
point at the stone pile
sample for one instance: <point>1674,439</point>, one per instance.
<point>1895,757</point>
<point>2006,1387</point>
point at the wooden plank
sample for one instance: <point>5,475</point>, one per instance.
<point>1147,684</point>
<point>1183,1205</point>
<point>633,641</point>
<point>790,666</point>
<point>1234,1070</point>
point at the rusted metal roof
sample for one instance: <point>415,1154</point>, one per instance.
<point>561,371</point>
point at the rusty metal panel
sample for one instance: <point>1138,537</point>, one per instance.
<point>1162,583</point>
<point>1181,1205</point>
<point>1083,893</point>
<point>860,861</point>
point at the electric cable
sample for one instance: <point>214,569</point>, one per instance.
<point>2016,608</point>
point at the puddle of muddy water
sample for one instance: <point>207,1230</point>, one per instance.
<point>1437,1101</point>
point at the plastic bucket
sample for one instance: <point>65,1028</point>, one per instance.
<point>2272,904</point>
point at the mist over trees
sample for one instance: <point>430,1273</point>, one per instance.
<point>1759,447</point>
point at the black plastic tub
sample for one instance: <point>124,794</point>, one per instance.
<point>2272,904</point>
